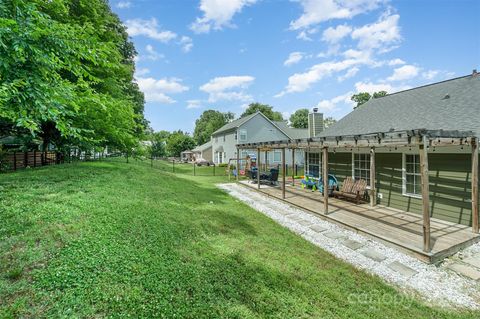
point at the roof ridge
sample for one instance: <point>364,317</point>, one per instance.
<point>425,85</point>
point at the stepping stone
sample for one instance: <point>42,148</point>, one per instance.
<point>473,261</point>
<point>318,228</point>
<point>352,244</point>
<point>296,218</point>
<point>372,254</point>
<point>402,269</point>
<point>304,222</point>
<point>334,235</point>
<point>465,270</point>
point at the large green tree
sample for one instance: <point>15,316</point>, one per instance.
<point>158,141</point>
<point>299,119</point>
<point>266,109</point>
<point>364,97</point>
<point>209,122</point>
<point>66,73</point>
<point>329,121</point>
<point>178,142</point>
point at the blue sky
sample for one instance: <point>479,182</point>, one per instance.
<point>224,54</point>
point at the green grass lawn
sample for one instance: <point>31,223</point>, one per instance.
<point>110,239</point>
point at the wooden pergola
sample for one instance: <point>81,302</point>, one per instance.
<point>421,138</point>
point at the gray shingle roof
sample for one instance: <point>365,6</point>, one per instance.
<point>234,124</point>
<point>202,147</point>
<point>423,107</point>
<point>293,133</point>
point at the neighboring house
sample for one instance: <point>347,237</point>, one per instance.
<point>449,105</point>
<point>254,128</point>
<point>204,151</point>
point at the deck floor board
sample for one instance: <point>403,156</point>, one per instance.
<point>393,226</point>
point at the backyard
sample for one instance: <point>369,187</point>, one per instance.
<point>111,239</point>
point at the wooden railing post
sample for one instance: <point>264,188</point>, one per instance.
<point>475,225</point>
<point>325,180</point>
<point>425,193</point>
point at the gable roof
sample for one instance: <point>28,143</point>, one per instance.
<point>203,147</point>
<point>293,133</point>
<point>234,124</point>
<point>449,105</point>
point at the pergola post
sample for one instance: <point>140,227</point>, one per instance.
<point>423,147</point>
<point>373,191</point>
<point>475,225</point>
<point>325,180</point>
<point>258,168</point>
<point>283,173</point>
<point>266,160</point>
<point>293,166</point>
<point>238,164</point>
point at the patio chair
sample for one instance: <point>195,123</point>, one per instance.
<point>332,184</point>
<point>252,174</point>
<point>271,178</point>
<point>352,189</point>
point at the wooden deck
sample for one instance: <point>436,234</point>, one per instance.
<point>399,229</point>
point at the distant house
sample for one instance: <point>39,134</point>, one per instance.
<point>204,151</point>
<point>252,129</point>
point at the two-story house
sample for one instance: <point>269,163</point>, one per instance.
<point>252,129</point>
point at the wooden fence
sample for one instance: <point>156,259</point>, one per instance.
<point>19,160</point>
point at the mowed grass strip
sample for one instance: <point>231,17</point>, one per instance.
<point>110,239</point>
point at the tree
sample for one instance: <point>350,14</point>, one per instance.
<point>364,97</point>
<point>178,142</point>
<point>209,122</point>
<point>328,121</point>
<point>266,109</point>
<point>159,143</point>
<point>299,119</point>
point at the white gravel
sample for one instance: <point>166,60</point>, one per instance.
<point>432,283</point>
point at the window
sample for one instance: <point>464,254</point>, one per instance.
<point>313,164</point>
<point>412,183</point>
<point>220,157</point>
<point>277,156</point>
<point>361,166</point>
<point>235,135</point>
<point>243,135</point>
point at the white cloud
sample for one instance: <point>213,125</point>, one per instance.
<point>157,90</point>
<point>331,104</point>
<point>317,11</point>
<point>152,54</point>
<point>150,29</point>
<point>396,62</point>
<point>293,58</point>
<point>228,88</point>
<point>429,75</point>
<point>405,72</point>
<point>218,14</point>
<point>194,104</point>
<point>124,4</point>
<point>186,43</point>
<point>376,87</point>
<point>381,35</point>
<point>333,35</point>
<point>141,72</point>
<point>349,74</point>
<point>305,34</point>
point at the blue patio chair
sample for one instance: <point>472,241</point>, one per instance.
<point>332,184</point>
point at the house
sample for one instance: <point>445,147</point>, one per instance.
<point>418,151</point>
<point>252,129</point>
<point>204,151</point>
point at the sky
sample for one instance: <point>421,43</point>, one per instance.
<point>196,55</point>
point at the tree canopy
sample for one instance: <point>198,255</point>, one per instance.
<point>266,109</point>
<point>209,122</point>
<point>66,74</point>
<point>299,119</point>
<point>364,97</point>
<point>329,121</point>
<point>178,142</point>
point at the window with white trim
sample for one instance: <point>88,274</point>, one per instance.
<point>313,164</point>
<point>243,135</point>
<point>361,166</point>
<point>412,182</point>
<point>277,156</point>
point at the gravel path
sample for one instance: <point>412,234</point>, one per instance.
<point>435,284</point>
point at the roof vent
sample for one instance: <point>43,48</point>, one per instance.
<point>446,97</point>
